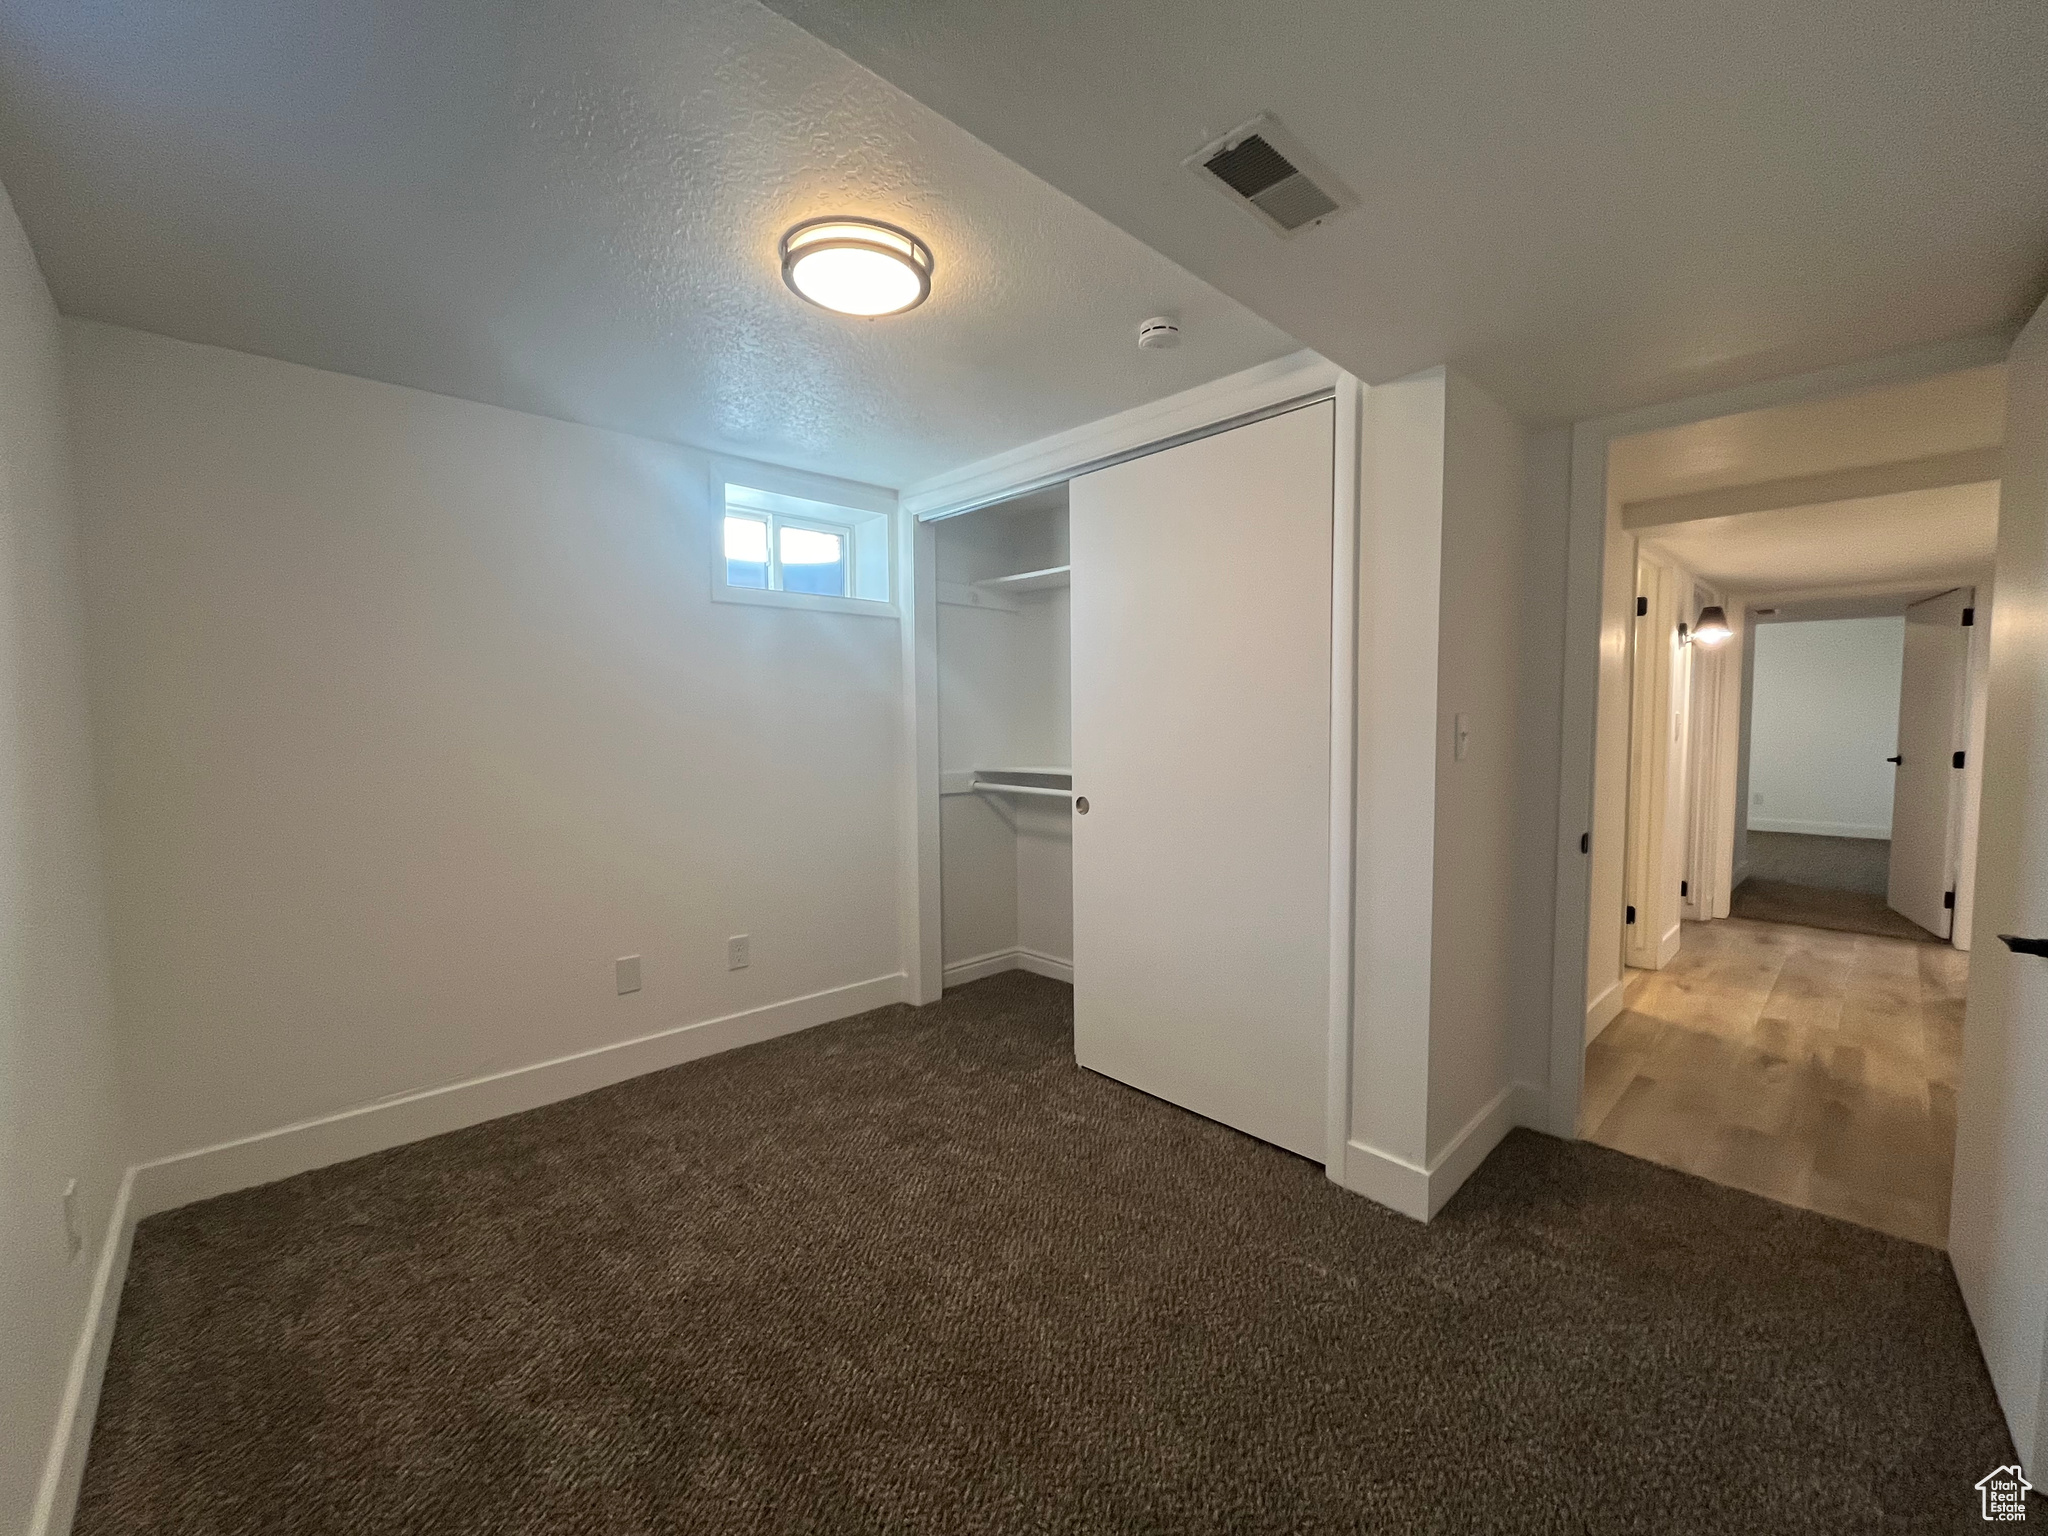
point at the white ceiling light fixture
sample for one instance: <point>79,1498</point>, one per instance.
<point>857,266</point>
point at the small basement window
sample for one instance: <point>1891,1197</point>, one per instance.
<point>785,551</point>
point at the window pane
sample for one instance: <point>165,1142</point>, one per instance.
<point>812,561</point>
<point>746,552</point>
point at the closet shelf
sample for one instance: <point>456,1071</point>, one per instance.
<point>984,787</point>
<point>1029,581</point>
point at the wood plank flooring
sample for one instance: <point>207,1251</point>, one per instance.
<point>1812,1067</point>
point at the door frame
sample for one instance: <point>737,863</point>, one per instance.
<point>1299,379</point>
<point>1585,554</point>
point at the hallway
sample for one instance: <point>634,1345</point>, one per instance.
<point>1812,1067</point>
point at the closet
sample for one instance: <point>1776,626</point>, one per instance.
<point>1134,695</point>
<point>1005,808</point>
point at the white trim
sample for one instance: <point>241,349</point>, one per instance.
<point>814,602</point>
<point>1586,552</point>
<point>1049,966</point>
<point>1818,828</point>
<point>864,506</point>
<point>1205,408</point>
<point>1606,1008</point>
<point>919,930</point>
<point>1421,1192</point>
<point>408,1117</point>
<point>71,1438</point>
<point>753,475</point>
<point>1344,519</point>
<point>1015,958</point>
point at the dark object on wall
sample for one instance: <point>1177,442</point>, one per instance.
<point>2020,946</point>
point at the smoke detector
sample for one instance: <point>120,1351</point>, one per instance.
<point>1158,333</point>
<point>1263,167</point>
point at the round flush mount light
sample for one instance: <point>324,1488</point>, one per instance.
<point>857,266</point>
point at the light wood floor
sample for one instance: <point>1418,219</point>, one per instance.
<point>1812,1067</point>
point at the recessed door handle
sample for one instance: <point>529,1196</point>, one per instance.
<point>2020,946</point>
<point>1895,759</point>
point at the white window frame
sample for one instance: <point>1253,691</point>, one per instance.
<point>844,531</point>
<point>864,518</point>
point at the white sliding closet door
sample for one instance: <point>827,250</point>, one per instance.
<point>1201,734</point>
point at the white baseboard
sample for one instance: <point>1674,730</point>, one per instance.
<point>1040,964</point>
<point>64,1467</point>
<point>291,1149</point>
<point>1017,958</point>
<point>1819,828</point>
<point>1606,1008</point>
<point>1421,1191</point>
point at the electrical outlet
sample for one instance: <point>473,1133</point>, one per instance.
<point>739,952</point>
<point>73,1235</point>
<point>627,970</point>
<point>1461,736</point>
<point>1757,798</point>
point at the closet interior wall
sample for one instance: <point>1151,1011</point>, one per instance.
<point>1006,861</point>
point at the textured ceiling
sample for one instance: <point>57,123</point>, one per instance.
<point>1586,204</point>
<point>572,209</point>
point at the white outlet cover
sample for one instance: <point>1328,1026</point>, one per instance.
<point>738,952</point>
<point>627,971</point>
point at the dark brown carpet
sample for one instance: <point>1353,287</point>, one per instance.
<point>917,1272</point>
<point>1776,901</point>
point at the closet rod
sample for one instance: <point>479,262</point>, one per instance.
<point>984,787</point>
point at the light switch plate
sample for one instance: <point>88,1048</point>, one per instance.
<point>627,969</point>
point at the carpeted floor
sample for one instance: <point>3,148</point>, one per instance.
<point>1775,901</point>
<point>917,1272</point>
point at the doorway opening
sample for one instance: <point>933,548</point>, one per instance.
<point>1784,832</point>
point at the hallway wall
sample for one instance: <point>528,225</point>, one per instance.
<point>59,1117</point>
<point>1825,717</point>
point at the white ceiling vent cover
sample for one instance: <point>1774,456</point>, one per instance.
<point>1263,167</point>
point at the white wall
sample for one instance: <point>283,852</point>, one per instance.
<point>1479,663</point>
<point>58,1089</point>
<point>413,714</point>
<point>1460,612</point>
<point>1823,718</point>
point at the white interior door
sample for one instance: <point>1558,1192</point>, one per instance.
<point>1201,734</point>
<point>1998,1232</point>
<point>1930,730</point>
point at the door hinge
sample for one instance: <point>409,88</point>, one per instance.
<point>1969,618</point>
<point>1682,890</point>
<point>1631,916</point>
<point>1948,900</point>
<point>1642,606</point>
<point>1956,761</point>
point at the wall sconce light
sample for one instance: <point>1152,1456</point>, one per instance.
<point>1712,628</point>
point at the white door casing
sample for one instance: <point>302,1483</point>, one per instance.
<point>1201,733</point>
<point>1932,728</point>
<point>1658,753</point>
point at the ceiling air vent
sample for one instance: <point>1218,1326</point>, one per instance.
<point>1262,166</point>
